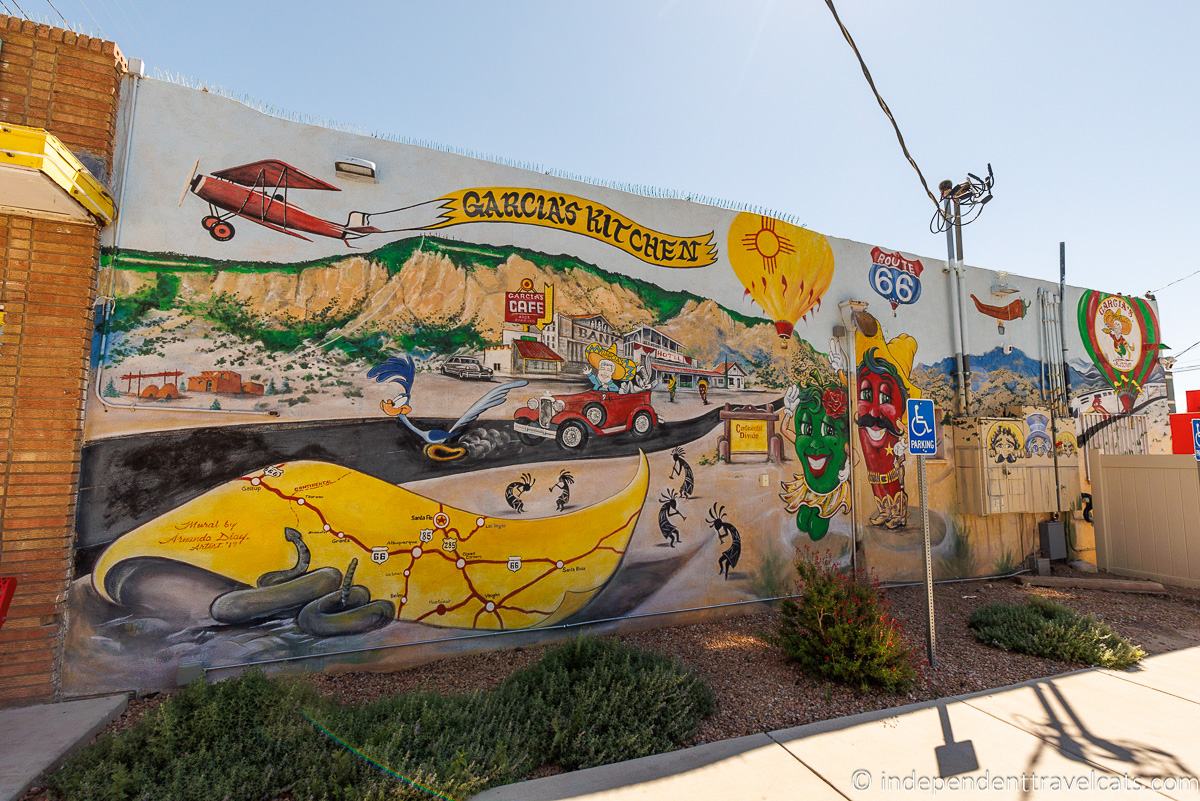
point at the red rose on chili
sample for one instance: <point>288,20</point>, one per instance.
<point>835,402</point>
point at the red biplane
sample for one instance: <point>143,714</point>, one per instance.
<point>259,192</point>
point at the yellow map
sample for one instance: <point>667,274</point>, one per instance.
<point>437,564</point>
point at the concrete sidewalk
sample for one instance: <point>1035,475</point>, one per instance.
<point>36,738</point>
<point>1091,733</point>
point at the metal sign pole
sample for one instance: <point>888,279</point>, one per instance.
<point>931,630</point>
<point>922,442</point>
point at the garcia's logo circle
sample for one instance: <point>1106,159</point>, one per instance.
<point>1117,337</point>
<point>1121,335</point>
<point>526,284</point>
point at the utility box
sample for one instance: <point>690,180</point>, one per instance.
<point>1006,465</point>
<point>1053,539</point>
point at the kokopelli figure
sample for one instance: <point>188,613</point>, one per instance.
<point>565,480</point>
<point>514,491</point>
<point>669,508</point>
<point>729,557</point>
<point>682,468</point>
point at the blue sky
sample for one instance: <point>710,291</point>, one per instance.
<point>1087,110</point>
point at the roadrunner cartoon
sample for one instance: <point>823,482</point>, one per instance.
<point>439,444</point>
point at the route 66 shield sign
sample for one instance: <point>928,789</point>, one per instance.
<point>514,563</point>
<point>896,278</point>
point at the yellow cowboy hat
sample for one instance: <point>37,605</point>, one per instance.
<point>900,351</point>
<point>624,368</point>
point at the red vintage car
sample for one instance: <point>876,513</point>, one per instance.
<point>570,420</point>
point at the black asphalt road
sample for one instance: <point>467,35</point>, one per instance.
<point>127,481</point>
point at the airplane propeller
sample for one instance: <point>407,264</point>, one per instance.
<point>188,183</point>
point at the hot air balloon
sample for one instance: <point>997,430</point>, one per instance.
<point>785,269</point>
<point>1121,335</point>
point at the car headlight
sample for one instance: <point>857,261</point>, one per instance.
<point>532,404</point>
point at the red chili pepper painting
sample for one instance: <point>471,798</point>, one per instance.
<point>1001,314</point>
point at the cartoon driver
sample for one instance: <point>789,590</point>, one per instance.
<point>819,421</point>
<point>608,372</point>
<point>884,387</point>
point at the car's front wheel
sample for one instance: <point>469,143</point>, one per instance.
<point>572,435</point>
<point>642,424</point>
<point>596,414</point>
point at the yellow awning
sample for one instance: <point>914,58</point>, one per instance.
<point>40,176</point>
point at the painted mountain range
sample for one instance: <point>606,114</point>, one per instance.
<point>419,294</point>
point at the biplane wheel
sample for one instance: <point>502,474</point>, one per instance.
<point>209,221</point>
<point>221,231</point>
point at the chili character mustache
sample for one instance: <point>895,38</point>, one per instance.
<point>872,421</point>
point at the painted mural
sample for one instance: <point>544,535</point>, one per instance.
<point>334,415</point>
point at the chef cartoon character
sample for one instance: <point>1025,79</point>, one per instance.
<point>884,386</point>
<point>1117,325</point>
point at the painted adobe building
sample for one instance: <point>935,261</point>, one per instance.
<point>339,272</point>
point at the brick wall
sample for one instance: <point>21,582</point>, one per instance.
<point>69,85</point>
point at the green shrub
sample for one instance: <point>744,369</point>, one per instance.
<point>606,702</point>
<point>128,311</point>
<point>1044,628</point>
<point>585,703</point>
<point>442,338</point>
<point>235,739</point>
<point>840,628</point>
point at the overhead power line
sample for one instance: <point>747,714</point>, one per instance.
<point>1185,350</point>
<point>59,13</point>
<point>887,112</point>
<point>21,10</point>
<point>1176,281</point>
<point>95,21</point>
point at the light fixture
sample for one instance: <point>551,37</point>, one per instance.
<point>355,168</point>
<point>1001,287</point>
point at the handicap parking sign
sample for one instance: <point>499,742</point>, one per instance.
<point>1196,437</point>
<point>922,427</point>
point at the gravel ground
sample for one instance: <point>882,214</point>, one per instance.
<point>757,690</point>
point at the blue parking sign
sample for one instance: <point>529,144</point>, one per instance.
<point>1196,437</point>
<point>922,427</point>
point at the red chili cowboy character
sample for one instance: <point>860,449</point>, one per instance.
<point>884,387</point>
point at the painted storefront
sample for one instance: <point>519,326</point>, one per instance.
<point>335,413</point>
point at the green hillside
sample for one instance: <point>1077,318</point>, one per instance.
<point>664,303</point>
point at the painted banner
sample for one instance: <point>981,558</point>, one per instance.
<point>504,204</point>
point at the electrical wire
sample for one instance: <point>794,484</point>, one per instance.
<point>7,10</point>
<point>18,5</point>
<point>887,112</point>
<point>59,13</point>
<point>96,22</point>
<point>1185,350</point>
<point>1176,281</point>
